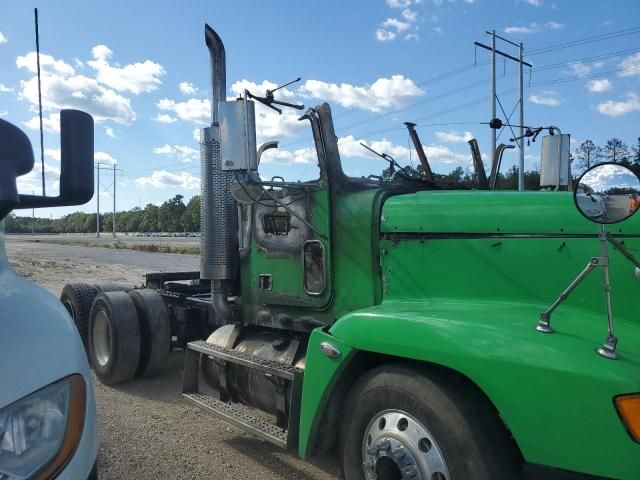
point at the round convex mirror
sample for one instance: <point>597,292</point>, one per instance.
<point>607,193</point>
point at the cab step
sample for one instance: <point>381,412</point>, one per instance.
<point>278,369</point>
<point>238,414</point>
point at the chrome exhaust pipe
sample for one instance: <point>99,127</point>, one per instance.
<point>219,239</point>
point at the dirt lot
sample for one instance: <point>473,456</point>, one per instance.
<point>147,431</point>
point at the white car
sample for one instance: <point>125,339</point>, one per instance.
<point>47,403</point>
<point>592,205</point>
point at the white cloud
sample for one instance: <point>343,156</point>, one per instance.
<point>164,179</point>
<point>534,27</point>
<point>554,25</point>
<point>630,66</point>
<point>410,15</point>
<point>193,110</point>
<point>437,154</point>
<point>531,28</point>
<point>546,97</point>
<point>164,118</point>
<point>599,86</point>
<point>101,52</point>
<point>53,153</point>
<point>3,38</point>
<point>616,109</point>
<point>5,89</point>
<point>285,157</point>
<point>48,64</point>
<point>109,131</point>
<point>390,28</point>
<point>4,113</point>
<point>381,94</point>
<point>240,86</point>
<point>50,123</point>
<point>383,35</point>
<point>580,69</point>
<point>62,88</point>
<point>139,77</point>
<point>104,158</point>
<point>187,88</point>
<point>196,134</point>
<point>269,124</point>
<point>454,137</point>
<point>183,152</point>
<point>534,3</point>
<point>397,25</point>
<point>399,3</point>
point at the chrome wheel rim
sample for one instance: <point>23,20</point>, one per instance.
<point>397,446</point>
<point>101,338</point>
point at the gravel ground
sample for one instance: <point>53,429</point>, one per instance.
<point>147,431</point>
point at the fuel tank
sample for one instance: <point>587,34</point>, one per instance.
<point>249,386</point>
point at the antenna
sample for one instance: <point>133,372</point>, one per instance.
<point>44,193</point>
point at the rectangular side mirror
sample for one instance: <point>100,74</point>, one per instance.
<point>76,177</point>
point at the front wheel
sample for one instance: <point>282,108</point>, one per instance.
<point>401,424</point>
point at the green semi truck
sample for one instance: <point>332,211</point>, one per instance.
<point>391,322</point>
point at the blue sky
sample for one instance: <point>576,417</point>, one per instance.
<point>141,68</point>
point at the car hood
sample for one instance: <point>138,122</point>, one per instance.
<point>38,342</point>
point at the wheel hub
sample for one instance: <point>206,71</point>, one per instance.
<point>102,338</point>
<point>396,447</point>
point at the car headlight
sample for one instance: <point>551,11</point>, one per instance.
<point>40,433</point>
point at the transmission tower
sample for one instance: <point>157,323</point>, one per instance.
<point>109,189</point>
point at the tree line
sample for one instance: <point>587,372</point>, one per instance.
<point>614,150</point>
<point>172,216</point>
<point>176,216</point>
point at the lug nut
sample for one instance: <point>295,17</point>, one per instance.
<point>373,450</point>
<point>385,445</point>
<point>399,453</point>
<point>410,471</point>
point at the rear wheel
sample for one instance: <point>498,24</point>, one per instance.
<point>400,424</point>
<point>114,337</point>
<point>77,299</point>
<point>155,331</point>
<point>111,287</point>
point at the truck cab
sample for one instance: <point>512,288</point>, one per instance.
<point>400,323</point>
<point>48,425</point>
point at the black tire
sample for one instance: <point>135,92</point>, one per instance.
<point>114,337</point>
<point>473,442</point>
<point>77,299</point>
<point>155,331</point>
<point>111,287</point>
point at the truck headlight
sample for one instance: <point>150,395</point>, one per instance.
<point>40,433</point>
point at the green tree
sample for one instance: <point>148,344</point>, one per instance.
<point>615,150</point>
<point>191,215</point>
<point>588,154</point>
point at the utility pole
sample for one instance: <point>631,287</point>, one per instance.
<point>114,201</point>
<point>496,123</point>
<point>98,203</point>
<point>33,220</point>
<point>493,90</point>
<point>521,101</point>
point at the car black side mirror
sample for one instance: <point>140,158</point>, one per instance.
<point>76,172</point>
<point>76,177</point>
<point>16,158</point>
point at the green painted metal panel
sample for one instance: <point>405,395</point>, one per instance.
<point>553,391</point>
<point>320,374</point>
<point>489,212</point>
